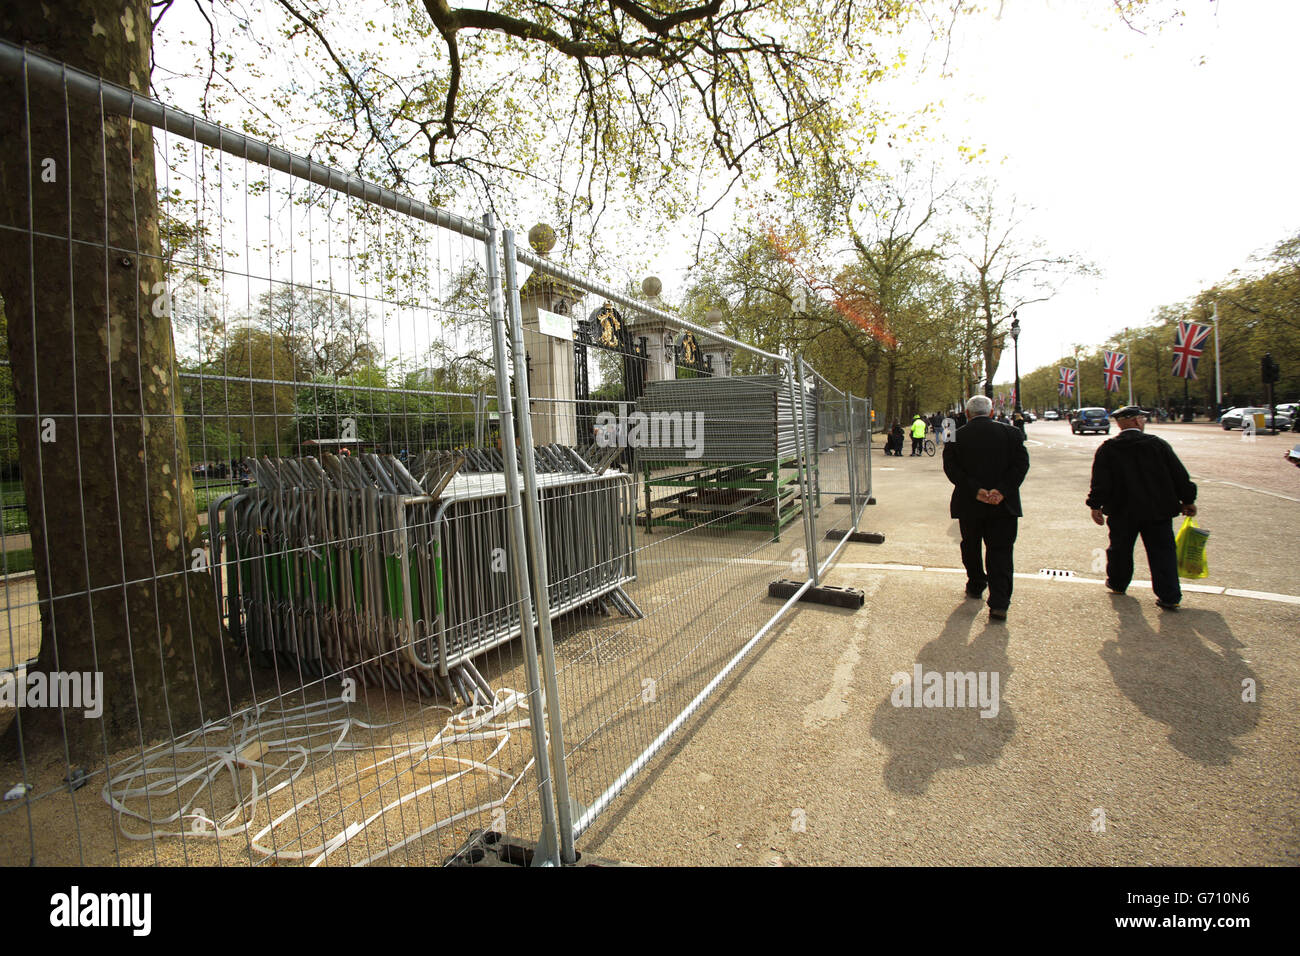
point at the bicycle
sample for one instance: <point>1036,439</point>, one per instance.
<point>928,447</point>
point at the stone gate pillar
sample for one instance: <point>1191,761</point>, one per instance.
<point>720,354</point>
<point>661,338</point>
<point>546,308</point>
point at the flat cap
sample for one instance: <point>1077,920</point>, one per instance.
<point>1129,411</point>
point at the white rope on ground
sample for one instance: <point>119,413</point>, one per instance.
<point>158,775</point>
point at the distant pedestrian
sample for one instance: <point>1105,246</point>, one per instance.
<point>1019,422</point>
<point>987,463</point>
<point>918,435</point>
<point>894,443</point>
<point>1138,486</point>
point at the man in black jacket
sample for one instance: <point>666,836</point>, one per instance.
<point>894,444</point>
<point>986,463</point>
<point>1139,484</point>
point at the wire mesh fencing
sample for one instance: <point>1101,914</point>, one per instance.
<point>724,486</point>
<point>832,464</point>
<point>258,416</point>
<point>861,427</point>
<point>356,534</point>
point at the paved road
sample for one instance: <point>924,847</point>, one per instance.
<point>1249,462</point>
<point>1120,736</point>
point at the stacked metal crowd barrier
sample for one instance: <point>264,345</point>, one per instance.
<point>751,471</point>
<point>589,535</point>
<point>750,418</point>
<point>358,566</point>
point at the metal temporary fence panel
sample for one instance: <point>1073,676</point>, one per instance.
<point>715,517</point>
<point>277,551</point>
<point>298,497</point>
<point>831,464</point>
<point>861,431</point>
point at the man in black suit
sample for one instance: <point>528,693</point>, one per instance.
<point>987,463</point>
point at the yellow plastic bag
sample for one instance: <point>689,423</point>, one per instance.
<point>1190,546</point>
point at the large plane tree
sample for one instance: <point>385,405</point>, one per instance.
<point>105,471</point>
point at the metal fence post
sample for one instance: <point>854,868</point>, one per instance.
<point>801,456</point>
<point>548,846</point>
<point>866,409</point>
<point>537,553</point>
<point>853,461</point>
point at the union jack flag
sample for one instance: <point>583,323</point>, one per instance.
<point>1114,369</point>
<point>1066,386</point>
<point>1188,346</point>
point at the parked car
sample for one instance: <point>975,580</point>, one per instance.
<point>1233,417</point>
<point>1051,415</point>
<point>1091,420</point>
<point>1292,411</point>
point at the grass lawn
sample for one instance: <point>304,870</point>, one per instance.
<point>15,520</point>
<point>14,515</point>
<point>11,492</point>
<point>15,562</point>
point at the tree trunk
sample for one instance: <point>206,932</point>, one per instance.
<point>105,466</point>
<point>989,370</point>
<point>873,372</point>
<point>891,389</point>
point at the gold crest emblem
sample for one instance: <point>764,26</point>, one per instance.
<point>610,326</point>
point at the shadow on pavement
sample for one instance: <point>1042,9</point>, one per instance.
<point>924,740</point>
<point>1187,674</point>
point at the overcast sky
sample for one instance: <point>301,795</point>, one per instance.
<point>1166,159</point>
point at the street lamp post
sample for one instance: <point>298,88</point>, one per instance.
<point>1015,344</point>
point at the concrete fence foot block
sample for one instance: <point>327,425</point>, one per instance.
<point>859,537</point>
<point>852,598</point>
